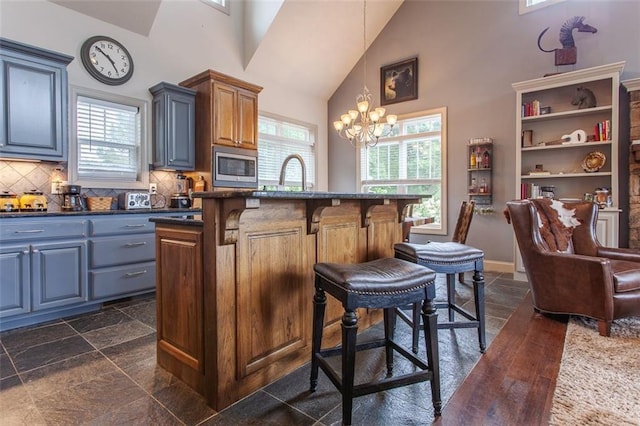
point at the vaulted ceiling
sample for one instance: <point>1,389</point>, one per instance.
<point>316,63</point>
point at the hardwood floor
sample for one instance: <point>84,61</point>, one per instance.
<point>513,382</point>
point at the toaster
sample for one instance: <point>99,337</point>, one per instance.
<point>134,200</point>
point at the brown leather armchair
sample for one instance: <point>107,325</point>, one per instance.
<point>587,279</point>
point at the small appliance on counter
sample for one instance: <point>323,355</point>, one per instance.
<point>182,188</point>
<point>134,200</point>
<point>180,201</point>
<point>9,202</point>
<point>33,201</point>
<point>71,199</point>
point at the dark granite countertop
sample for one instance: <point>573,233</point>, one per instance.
<point>306,195</point>
<point>6,215</point>
<point>185,219</point>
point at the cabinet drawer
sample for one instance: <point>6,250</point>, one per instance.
<point>122,280</point>
<point>122,250</point>
<point>121,224</point>
<point>39,230</point>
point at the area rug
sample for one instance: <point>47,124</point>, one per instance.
<point>599,378</point>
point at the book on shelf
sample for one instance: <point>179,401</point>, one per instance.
<point>531,109</point>
<point>529,190</point>
<point>539,173</point>
<point>602,131</point>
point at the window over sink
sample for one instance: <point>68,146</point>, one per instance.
<point>279,137</point>
<point>108,140</point>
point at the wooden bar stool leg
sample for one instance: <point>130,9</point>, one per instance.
<point>430,321</point>
<point>415,333</point>
<point>451,295</point>
<point>319,305</point>
<point>349,334</point>
<point>478,294</point>
<point>389,328</point>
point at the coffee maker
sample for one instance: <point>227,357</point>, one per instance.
<point>71,198</point>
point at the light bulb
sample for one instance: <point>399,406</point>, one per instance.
<point>346,119</point>
<point>373,115</point>
<point>363,106</point>
<point>381,111</point>
<point>353,113</point>
<point>392,119</point>
<point>338,125</point>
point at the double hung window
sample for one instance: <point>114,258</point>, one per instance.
<point>279,137</point>
<point>107,149</point>
<point>412,160</point>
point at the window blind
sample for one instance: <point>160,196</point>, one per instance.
<point>279,138</point>
<point>107,134</point>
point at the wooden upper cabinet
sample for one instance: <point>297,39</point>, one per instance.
<point>226,111</point>
<point>235,116</point>
<point>247,124</point>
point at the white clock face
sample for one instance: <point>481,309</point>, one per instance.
<point>107,60</point>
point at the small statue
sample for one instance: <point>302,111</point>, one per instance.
<point>584,98</point>
<point>568,54</point>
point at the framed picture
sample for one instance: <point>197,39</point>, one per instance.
<point>399,82</point>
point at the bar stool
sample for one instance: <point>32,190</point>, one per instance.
<point>449,258</point>
<point>383,283</point>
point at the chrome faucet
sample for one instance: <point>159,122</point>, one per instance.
<point>283,170</point>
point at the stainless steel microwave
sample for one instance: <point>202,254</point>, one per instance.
<point>234,167</point>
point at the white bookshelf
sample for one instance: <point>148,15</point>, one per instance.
<point>564,161</point>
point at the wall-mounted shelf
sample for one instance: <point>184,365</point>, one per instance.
<point>480,172</point>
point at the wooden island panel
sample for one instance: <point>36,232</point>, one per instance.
<point>271,304</point>
<point>249,314</point>
<point>179,302</point>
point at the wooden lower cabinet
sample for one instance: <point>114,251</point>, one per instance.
<point>179,299</point>
<point>234,296</point>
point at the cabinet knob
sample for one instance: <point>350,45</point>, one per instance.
<point>25,252</point>
<point>35,251</point>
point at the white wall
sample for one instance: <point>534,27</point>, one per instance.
<point>470,52</point>
<point>187,37</point>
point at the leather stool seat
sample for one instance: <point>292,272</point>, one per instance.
<point>447,254</point>
<point>449,258</point>
<point>383,283</point>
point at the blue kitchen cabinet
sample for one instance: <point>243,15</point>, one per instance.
<point>44,269</point>
<point>59,274</point>
<point>15,287</point>
<point>173,127</point>
<point>42,276</point>
<point>121,256</point>
<point>33,106</point>
<point>57,265</point>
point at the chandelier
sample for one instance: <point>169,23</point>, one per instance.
<point>366,124</point>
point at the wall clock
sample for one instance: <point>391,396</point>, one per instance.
<point>107,60</point>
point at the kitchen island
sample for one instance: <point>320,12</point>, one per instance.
<point>234,287</point>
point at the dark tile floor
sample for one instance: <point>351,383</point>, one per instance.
<point>100,369</point>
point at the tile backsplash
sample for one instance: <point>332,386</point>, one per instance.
<point>21,176</point>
